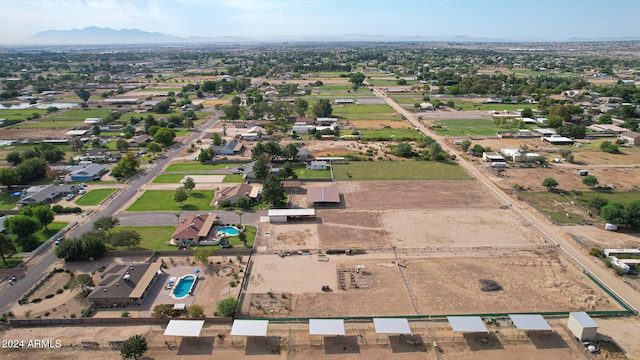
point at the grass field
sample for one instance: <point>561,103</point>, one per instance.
<point>399,170</point>
<point>168,179</point>
<point>20,114</point>
<point>162,200</point>
<point>366,112</point>
<point>8,202</point>
<point>303,173</point>
<point>66,119</point>
<point>165,89</point>
<point>466,127</point>
<point>554,205</point>
<point>470,105</point>
<point>198,167</point>
<point>390,82</point>
<point>153,237</point>
<point>11,261</point>
<point>407,100</point>
<point>389,134</point>
<point>94,197</point>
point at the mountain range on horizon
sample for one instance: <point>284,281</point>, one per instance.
<point>107,36</point>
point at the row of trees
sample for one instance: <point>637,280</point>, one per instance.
<point>23,227</point>
<point>277,110</point>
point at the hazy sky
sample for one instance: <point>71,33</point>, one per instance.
<point>262,19</point>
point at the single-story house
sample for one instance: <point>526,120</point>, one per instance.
<point>234,193</point>
<point>192,229</point>
<point>226,149</point>
<point>250,136</point>
<point>630,137</point>
<point>326,121</point>
<point>86,172</point>
<point>607,128</point>
<point>317,165</point>
<point>45,193</point>
<point>125,284</point>
<point>324,196</point>
<point>140,140</point>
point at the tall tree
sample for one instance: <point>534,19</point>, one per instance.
<point>300,106</point>
<point>181,195</point>
<point>106,223</point>
<point>189,184</point>
<point>128,238</point>
<point>550,183</point>
<point>260,167</point>
<point>44,214</point>
<point>83,94</point>
<point>164,136</point>
<point>7,248</point>
<point>216,138</point>
<point>133,348</point>
<point>272,190</point>
<point>322,108</point>
<point>357,79</point>
<point>22,226</point>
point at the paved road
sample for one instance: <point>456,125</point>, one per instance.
<point>38,266</point>
<point>250,217</point>
<point>553,233</point>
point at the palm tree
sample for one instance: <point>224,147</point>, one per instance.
<point>240,213</point>
<point>177,217</point>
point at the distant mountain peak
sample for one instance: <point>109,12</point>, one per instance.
<point>94,35</point>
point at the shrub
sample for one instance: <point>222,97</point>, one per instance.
<point>595,252</point>
<point>616,269</point>
<point>73,316</point>
<point>47,313</point>
<point>124,314</point>
<point>607,262</point>
<point>49,296</point>
<point>36,300</point>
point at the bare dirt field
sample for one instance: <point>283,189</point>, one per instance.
<point>34,134</point>
<point>531,282</point>
<point>289,236</point>
<point>341,237</point>
<point>379,124</point>
<point>627,157</point>
<point>386,195</point>
<point>531,178</point>
<point>454,115</point>
<point>473,228</point>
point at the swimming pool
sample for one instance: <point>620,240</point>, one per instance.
<point>229,230</point>
<point>184,286</point>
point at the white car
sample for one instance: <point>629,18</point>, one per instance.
<point>82,191</point>
<point>70,197</point>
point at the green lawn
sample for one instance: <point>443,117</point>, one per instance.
<point>181,132</point>
<point>94,197</point>
<point>8,202</point>
<point>251,236</point>
<point>466,127</point>
<point>389,82</point>
<point>470,105</point>
<point>407,100</point>
<point>366,112</point>
<point>20,114</point>
<point>67,119</point>
<point>153,237</point>
<point>162,200</point>
<point>399,170</point>
<point>198,167</point>
<point>390,134</point>
<point>168,179</point>
<point>303,173</point>
<point>233,178</point>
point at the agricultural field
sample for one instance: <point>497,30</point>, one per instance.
<point>20,114</point>
<point>399,170</point>
<point>365,112</point>
<point>303,173</point>
<point>66,119</point>
<point>162,200</point>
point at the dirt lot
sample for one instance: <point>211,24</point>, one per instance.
<point>34,134</point>
<point>378,124</point>
<point>386,195</point>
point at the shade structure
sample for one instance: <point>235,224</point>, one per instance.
<point>530,322</point>
<point>391,326</point>
<point>249,328</point>
<point>184,328</point>
<point>467,324</point>
<point>326,327</point>
<point>179,306</point>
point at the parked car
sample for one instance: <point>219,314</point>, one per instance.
<point>84,185</point>
<point>58,241</point>
<point>82,191</point>
<point>70,197</point>
<point>237,171</point>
